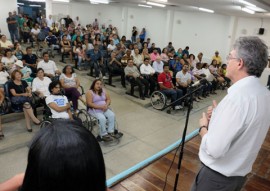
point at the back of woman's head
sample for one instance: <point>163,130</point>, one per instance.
<point>64,157</point>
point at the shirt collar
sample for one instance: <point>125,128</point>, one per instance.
<point>240,83</point>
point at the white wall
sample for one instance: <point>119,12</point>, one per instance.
<point>6,6</point>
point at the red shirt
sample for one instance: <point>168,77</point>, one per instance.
<point>165,79</point>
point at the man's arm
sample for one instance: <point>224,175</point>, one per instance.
<point>55,107</point>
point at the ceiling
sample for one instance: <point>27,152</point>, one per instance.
<point>224,7</point>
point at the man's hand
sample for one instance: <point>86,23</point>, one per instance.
<point>210,110</point>
<point>68,106</point>
<point>204,121</point>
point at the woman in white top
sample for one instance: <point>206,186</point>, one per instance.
<point>9,59</point>
<point>3,77</point>
<point>41,84</point>
<point>71,83</point>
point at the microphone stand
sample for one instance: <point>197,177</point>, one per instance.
<point>190,100</point>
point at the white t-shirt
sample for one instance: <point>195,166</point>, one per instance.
<point>9,62</point>
<point>3,77</point>
<point>183,77</point>
<point>209,77</point>
<point>35,31</point>
<point>90,46</point>
<point>48,67</point>
<point>69,81</point>
<point>49,22</point>
<point>111,47</point>
<point>41,85</point>
<point>60,101</point>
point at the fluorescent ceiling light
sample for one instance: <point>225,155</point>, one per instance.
<point>206,10</point>
<point>42,1</point>
<point>155,4</point>
<point>164,1</point>
<point>64,1</point>
<point>248,10</point>
<point>148,6</point>
<point>247,3</point>
<point>99,1</point>
<point>256,9</point>
<point>20,3</point>
<point>35,5</point>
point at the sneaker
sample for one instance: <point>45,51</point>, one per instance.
<point>105,78</point>
<point>177,107</point>
<point>116,135</point>
<point>106,138</point>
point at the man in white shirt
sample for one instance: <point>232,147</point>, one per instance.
<point>183,79</point>
<point>137,58</point>
<point>76,21</point>
<point>148,72</point>
<point>233,131</point>
<point>158,65</point>
<point>49,66</point>
<point>49,21</point>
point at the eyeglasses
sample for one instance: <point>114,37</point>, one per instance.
<point>231,58</point>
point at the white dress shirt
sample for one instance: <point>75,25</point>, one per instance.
<point>158,66</point>
<point>237,128</point>
<point>48,67</point>
<point>147,69</point>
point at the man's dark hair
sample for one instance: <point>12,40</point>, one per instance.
<point>53,84</point>
<point>64,156</point>
<point>44,53</point>
<point>165,65</point>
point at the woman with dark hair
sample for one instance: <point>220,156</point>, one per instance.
<point>142,35</point>
<point>164,55</point>
<point>58,103</point>
<point>98,101</point>
<point>63,156</point>
<point>9,59</point>
<point>21,96</point>
<point>18,52</point>
<point>66,46</point>
<point>70,83</point>
<point>4,76</point>
<point>40,84</point>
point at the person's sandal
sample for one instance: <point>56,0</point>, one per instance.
<point>116,135</point>
<point>106,138</point>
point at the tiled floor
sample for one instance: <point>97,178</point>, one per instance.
<point>146,131</point>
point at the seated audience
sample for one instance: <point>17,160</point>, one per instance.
<point>98,101</point>
<point>24,70</point>
<point>169,47</point>
<point>79,51</point>
<point>9,60</point>
<point>70,83</point>
<point>30,60</point>
<point>62,142</point>
<point>158,66</point>
<point>183,79</point>
<point>66,46</point>
<point>115,68</point>
<point>5,44</point>
<point>49,66</point>
<point>137,58</point>
<point>175,65</point>
<point>214,70</point>
<point>126,57</point>
<point>164,56</point>
<point>145,53</point>
<point>18,52</point>
<point>4,76</point>
<point>222,72</point>
<point>2,96</point>
<point>21,95</point>
<point>58,103</point>
<point>148,72</point>
<point>186,51</point>
<point>192,60</point>
<point>133,76</point>
<point>217,58</point>
<point>210,78</point>
<point>25,31</point>
<point>40,84</point>
<point>154,55</point>
<point>51,41</point>
<point>34,32</point>
<point>167,87</point>
<point>179,53</point>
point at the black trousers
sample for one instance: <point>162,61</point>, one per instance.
<point>152,82</point>
<point>210,180</point>
<point>140,82</point>
<point>118,70</point>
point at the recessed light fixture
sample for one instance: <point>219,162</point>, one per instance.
<point>206,10</point>
<point>99,1</point>
<point>163,1</point>
<point>155,4</point>
<point>42,1</point>
<point>64,1</point>
<point>20,3</point>
<point>35,5</point>
<point>247,3</point>
<point>147,6</point>
<point>248,10</point>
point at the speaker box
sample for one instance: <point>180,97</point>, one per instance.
<point>261,31</point>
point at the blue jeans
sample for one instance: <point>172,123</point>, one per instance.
<point>14,33</point>
<point>174,94</point>
<point>102,118</point>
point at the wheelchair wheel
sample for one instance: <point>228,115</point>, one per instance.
<point>45,123</point>
<point>158,100</point>
<point>86,119</point>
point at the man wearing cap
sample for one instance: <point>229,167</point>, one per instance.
<point>217,58</point>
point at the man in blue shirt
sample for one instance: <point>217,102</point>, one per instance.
<point>95,58</point>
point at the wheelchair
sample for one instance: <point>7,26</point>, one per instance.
<point>91,123</point>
